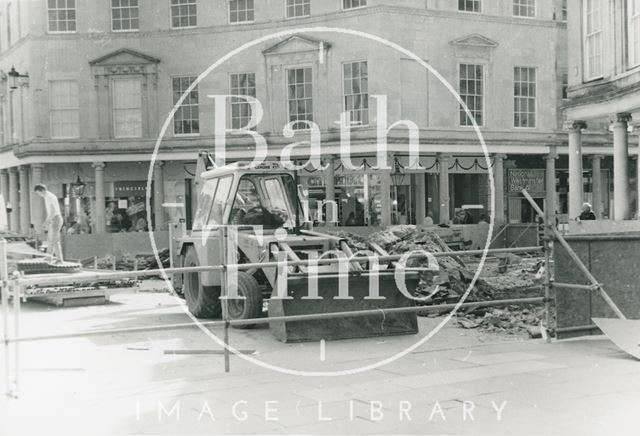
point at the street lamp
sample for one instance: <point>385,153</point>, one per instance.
<point>397,178</point>
<point>77,188</point>
<point>16,80</point>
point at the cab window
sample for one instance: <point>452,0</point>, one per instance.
<point>278,198</point>
<point>247,208</point>
<point>205,200</point>
<point>219,206</point>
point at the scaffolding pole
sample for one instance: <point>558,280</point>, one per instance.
<point>597,286</point>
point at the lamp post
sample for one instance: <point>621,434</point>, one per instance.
<point>397,178</point>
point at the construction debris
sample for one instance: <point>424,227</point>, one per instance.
<point>503,277</point>
<point>139,262</point>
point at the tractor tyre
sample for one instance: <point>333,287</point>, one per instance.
<point>251,306</point>
<point>202,301</point>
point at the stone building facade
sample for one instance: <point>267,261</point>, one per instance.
<point>104,75</point>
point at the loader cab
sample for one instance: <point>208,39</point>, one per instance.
<point>238,196</point>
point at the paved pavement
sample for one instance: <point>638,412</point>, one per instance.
<point>459,382</point>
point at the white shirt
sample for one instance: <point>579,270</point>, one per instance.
<point>51,205</point>
<point>428,221</point>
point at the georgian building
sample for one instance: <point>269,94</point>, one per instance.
<point>604,101</point>
<point>87,85</point>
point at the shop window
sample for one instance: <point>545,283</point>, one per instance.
<point>298,8</point>
<point>183,14</point>
<point>356,92</point>
<point>524,8</point>
<point>241,11</point>
<point>300,97</point>
<point>124,15</point>
<point>524,97</point>
<point>127,107</point>
<point>62,15</point>
<point>241,84</point>
<point>471,85</point>
<point>64,109</point>
<point>186,120</point>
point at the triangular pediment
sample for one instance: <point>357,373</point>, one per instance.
<point>474,40</point>
<point>296,44</point>
<point>124,56</point>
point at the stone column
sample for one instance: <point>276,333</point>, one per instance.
<point>596,178</point>
<point>550,184</point>
<point>636,130</point>
<point>158,196</point>
<point>385,195</point>
<point>421,198</point>
<point>4,190</point>
<point>4,184</point>
<point>99,219</point>
<point>14,199</point>
<point>330,192</point>
<point>37,203</point>
<point>445,201</point>
<point>498,181</point>
<point>25,200</point>
<point>575,167</point>
<point>621,167</point>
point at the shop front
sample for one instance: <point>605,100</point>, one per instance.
<point>361,195</point>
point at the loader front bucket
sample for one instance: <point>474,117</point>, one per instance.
<point>348,327</point>
<point>625,333</point>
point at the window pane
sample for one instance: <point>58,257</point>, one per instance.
<point>471,86</point>
<point>298,8</point>
<point>524,97</point>
<point>355,92</point>
<point>64,109</point>
<point>61,15</point>
<point>187,117</point>
<point>183,13</point>
<point>300,85</point>
<point>127,107</point>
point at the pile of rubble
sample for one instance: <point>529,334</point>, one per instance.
<point>504,277</point>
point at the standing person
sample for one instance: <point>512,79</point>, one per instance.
<point>53,222</point>
<point>587,213</point>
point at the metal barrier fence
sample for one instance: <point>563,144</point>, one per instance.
<point>16,288</point>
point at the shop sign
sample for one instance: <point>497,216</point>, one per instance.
<point>130,189</point>
<point>315,181</point>
<point>344,180</point>
<point>531,180</point>
<point>350,180</point>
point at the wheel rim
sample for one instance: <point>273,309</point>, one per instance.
<point>235,308</point>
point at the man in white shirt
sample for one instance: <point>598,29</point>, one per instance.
<point>53,222</point>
